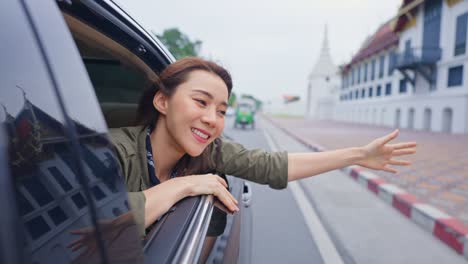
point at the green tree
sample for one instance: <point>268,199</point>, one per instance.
<point>232,100</point>
<point>179,44</point>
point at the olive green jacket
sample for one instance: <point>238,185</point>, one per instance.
<point>253,165</point>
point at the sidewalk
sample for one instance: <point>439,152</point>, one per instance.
<point>438,175</point>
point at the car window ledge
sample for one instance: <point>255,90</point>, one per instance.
<point>178,236</point>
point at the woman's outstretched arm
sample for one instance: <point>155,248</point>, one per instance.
<point>377,155</point>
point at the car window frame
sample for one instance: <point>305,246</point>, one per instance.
<point>180,233</point>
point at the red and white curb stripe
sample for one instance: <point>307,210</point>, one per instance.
<point>445,227</point>
<point>450,230</point>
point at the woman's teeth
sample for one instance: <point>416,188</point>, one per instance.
<point>199,133</point>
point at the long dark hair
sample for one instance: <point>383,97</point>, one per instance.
<point>171,77</point>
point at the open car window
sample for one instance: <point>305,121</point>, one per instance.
<point>118,75</point>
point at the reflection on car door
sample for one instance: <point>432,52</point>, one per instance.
<point>65,177</point>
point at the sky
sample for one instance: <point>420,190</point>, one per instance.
<point>269,47</point>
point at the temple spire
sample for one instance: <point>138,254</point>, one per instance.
<point>324,65</point>
<point>22,90</point>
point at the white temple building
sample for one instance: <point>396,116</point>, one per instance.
<point>323,85</point>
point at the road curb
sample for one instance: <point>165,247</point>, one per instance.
<point>448,229</point>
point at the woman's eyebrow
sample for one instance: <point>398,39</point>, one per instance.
<point>210,96</point>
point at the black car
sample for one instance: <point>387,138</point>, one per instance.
<point>69,71</point>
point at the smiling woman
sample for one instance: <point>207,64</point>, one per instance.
<point>182,117</point>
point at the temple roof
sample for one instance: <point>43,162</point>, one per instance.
<point>383,38</point>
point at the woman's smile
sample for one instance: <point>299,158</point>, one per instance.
<point>200,135</point>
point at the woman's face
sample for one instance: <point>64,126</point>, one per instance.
<point>195,112</point>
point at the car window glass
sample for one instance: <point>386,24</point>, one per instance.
<point>97,160</point>
<point>44,184</point>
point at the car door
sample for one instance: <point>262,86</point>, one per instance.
<point>70,202</point>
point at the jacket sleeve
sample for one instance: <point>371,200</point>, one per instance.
<point>255,165</point>
<point>136,199</point>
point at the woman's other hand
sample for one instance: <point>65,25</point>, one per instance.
<point>210,184</point>
<point>379,153</point>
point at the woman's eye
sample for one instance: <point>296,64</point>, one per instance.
<point>223,113</point>
<point>201,102</point>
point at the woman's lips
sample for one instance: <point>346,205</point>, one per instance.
<point>200,135</point>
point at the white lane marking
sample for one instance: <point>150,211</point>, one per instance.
<point>319,234</point>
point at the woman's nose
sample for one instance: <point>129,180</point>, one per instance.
<point>209,117</point>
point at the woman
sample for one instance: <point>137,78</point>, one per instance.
<point>183,118</point>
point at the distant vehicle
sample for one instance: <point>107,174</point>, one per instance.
<point>245,115</point>
<point>230,111</point>
<point>70,71</point>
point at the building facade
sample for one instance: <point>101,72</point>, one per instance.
<point>411,72</point>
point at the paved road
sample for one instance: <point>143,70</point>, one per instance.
<point>280,234</point>
<point>359,227</point>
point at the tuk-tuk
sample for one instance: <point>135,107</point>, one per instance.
<point>245,116</point>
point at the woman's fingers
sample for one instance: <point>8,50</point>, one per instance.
<point>224,183</point>
<point>391,136</point>
<point>213,184</point>
<point>221,180</point>
<point>403,145</point>
<point>402,152</point>
<point>231,199</point>
<point>226,200</point>
<point>399,162</point>
<point>388,169</point>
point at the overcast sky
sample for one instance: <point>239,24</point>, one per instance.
<point>268,46</point>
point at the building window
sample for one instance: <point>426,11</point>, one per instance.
<point>372,70</point>
<point>98,193</point>
<point>397,118</point>
<point>455,76</point>
<point>391,62</point>
<point>381,66</point>
<point>388,89</point>
<point>379,90</point>
<point>370,92</point>
<point>57,215</point>
<point>411,118</point>
<point>356,94</point>
<point>352,76</point>
<point>460,35</point>
<point>363,93</point>
<point>427,119</point>
<point>25,207</point>
<point>359,74</point>
<point>58,176</point>
<point>365,72</point>
<point>403,87</point>
<point>37,190</point>
<point>447,119</point>
<point>350,95</point>
<point>37,227</point>
<point>78,200</point>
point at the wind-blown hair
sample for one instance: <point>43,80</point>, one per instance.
<point>171,77</point>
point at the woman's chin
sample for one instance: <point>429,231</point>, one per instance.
<point>195,152</point>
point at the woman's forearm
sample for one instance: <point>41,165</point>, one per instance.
<point>301,165</point>
<point>160,198</point>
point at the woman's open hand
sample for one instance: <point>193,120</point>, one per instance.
<point>380,153</point>
<point>211,184</point>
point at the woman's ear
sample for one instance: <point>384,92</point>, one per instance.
<point>160,101</point>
